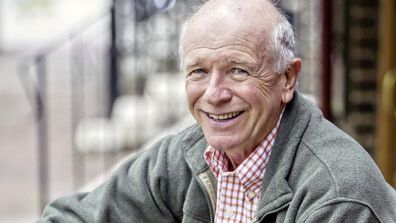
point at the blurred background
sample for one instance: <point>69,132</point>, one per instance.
<point>85,84</point>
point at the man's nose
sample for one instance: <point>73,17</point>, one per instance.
<point>217,91</point>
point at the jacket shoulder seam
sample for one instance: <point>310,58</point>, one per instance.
<point>343,200</point>
<point>325,165</point>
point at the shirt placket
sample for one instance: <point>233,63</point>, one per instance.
<point>228,192</point>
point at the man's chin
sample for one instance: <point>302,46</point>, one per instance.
<point>224,144</point>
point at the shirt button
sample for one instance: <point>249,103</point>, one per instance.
<point>229,212</point>
<point>251,194</point>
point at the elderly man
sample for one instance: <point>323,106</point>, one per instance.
<point>259,153</point>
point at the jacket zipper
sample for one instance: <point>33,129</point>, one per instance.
<point>202,186</point>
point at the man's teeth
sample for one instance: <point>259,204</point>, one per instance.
<point>224,116</point>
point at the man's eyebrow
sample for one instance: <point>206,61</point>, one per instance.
<point>241,62</point>
<point>193,62</point>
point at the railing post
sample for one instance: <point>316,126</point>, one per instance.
<point>113,71</point>
<point>42,129</point>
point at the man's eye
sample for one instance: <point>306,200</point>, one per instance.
<point>198,71</point>
<point>239,74</point>
<point>238,71</point>
<point>196,74</point>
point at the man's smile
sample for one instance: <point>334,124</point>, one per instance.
<point>224,116</point>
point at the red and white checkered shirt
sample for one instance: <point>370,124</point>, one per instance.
<point>238,192</point>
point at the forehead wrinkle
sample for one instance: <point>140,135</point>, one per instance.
<point>231,56</point>
<point>235,47</point>
<point>241,38</point>
<point>215,45</point>
<point>197,62</point>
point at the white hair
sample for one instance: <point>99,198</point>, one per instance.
<point>181,52</point>
<point>282,45</point>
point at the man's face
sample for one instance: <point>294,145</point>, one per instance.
<point>231,89</point>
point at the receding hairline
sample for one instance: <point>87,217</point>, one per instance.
<point>270,12</point>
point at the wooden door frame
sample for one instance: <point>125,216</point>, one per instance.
<point>386,135</point>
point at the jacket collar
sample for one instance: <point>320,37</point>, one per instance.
<point>276,193</point>
<point>194,147</point>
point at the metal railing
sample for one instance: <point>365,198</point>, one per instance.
<point>35,72</point>
<point>89,70</point>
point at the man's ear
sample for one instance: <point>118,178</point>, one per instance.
<point>289,85</point>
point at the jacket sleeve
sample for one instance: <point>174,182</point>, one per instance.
<point>136,192</point>
<point>343,211</point>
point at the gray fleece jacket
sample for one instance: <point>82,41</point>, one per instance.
<point>316,173</point>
